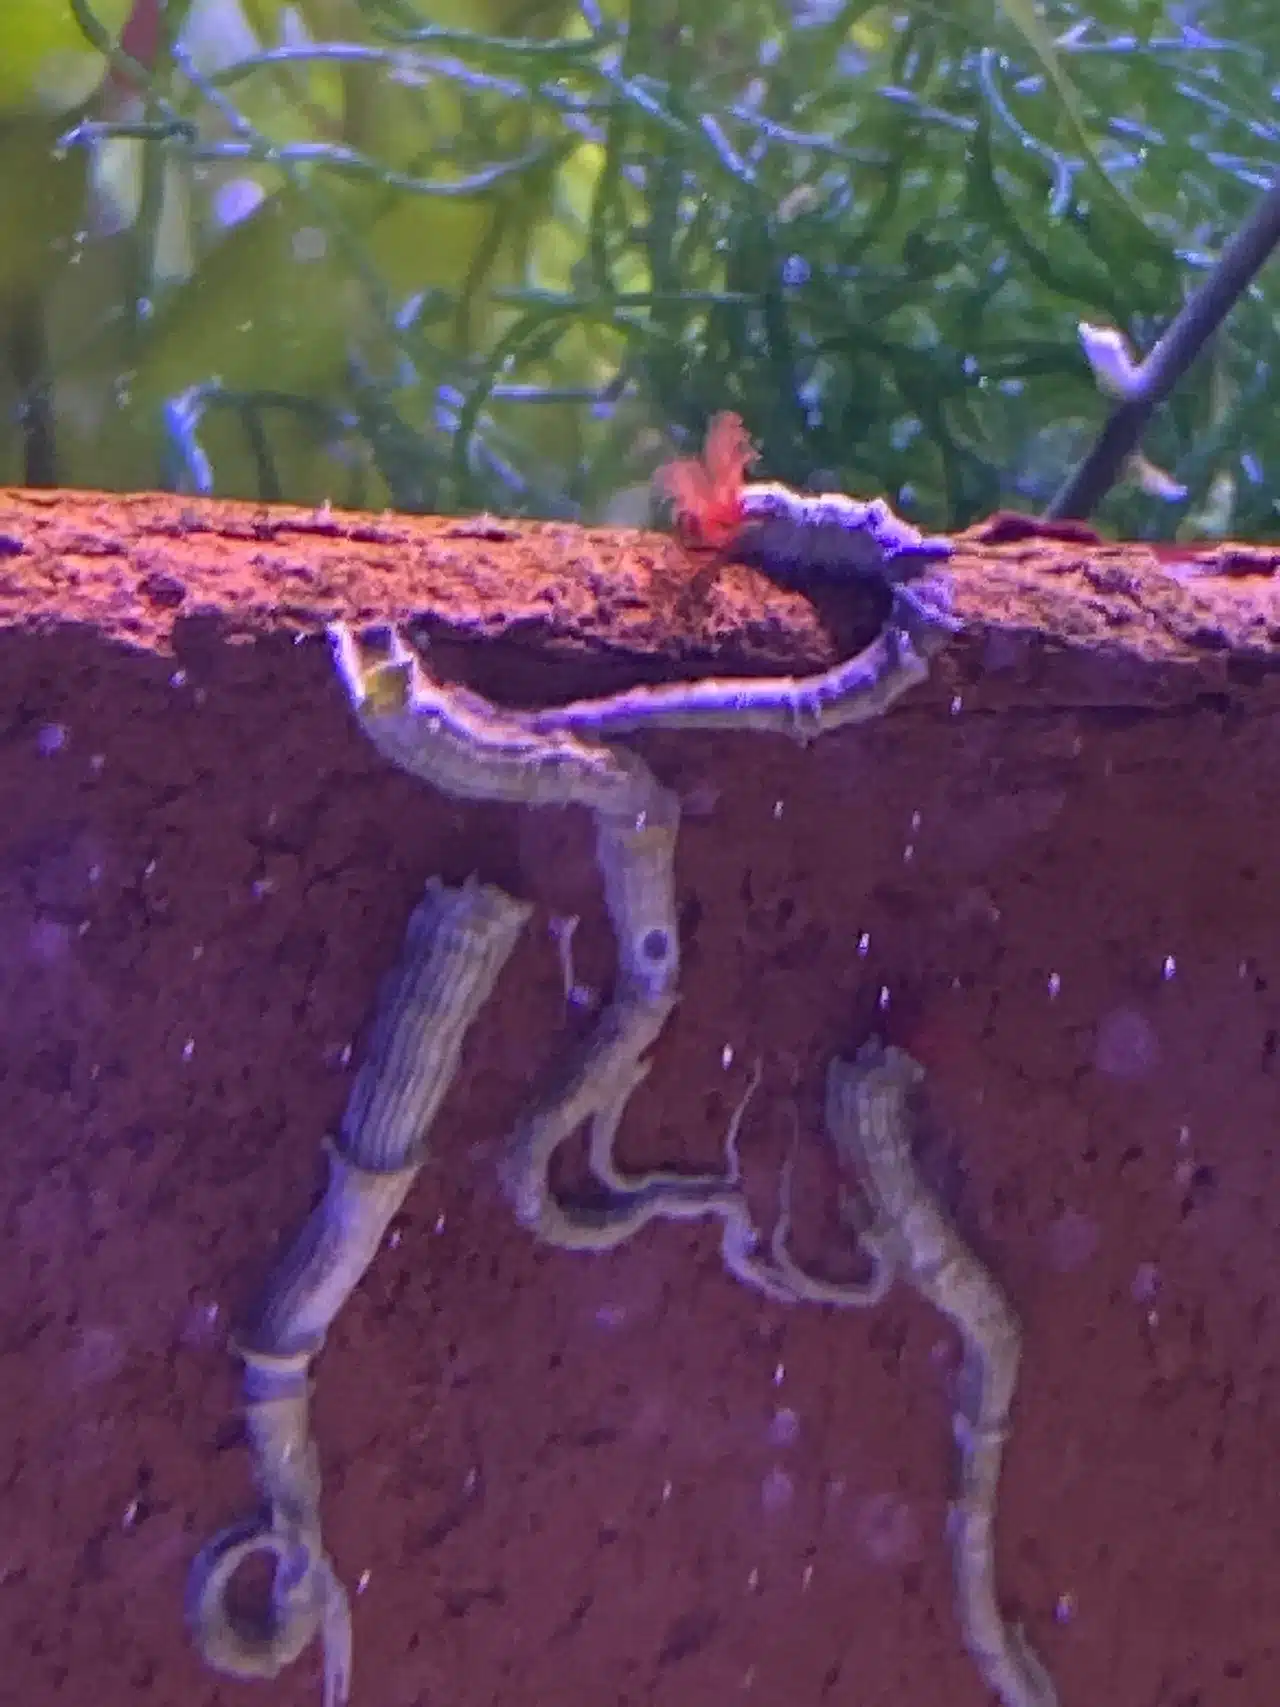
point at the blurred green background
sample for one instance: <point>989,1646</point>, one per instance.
<point>511,254</point>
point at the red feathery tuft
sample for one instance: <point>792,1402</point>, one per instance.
<point>706,495</point>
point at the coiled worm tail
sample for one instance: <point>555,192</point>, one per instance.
<point>456,945</point>
<point>468,748</point>
<point>803,707</point>
<point>307,1598</point>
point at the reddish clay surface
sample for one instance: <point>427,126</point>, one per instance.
<point>622,1480</point>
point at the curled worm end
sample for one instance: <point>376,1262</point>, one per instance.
<point>306,1600</point>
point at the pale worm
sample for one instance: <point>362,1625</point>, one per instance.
<point>469,748</point>
<point>868,1118</point>
<point>457,944</point>
<point>803,707</point>
<point>802,537</point>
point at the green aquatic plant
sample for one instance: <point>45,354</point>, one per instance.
<point>499,263</point>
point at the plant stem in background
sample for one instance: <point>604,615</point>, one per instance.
<point>1200,318</point>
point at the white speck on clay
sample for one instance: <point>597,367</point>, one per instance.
<point>726,1057</point>
<point>188,1049</point>
<point>1145,1283</point>
<point>1168,968</point>
<point>51,738</point>
<point>1054,986</point>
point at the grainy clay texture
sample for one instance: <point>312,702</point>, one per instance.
<point>556,1479</point>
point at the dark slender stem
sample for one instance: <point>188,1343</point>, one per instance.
<point>28,353</point>
<point>1242,258</point>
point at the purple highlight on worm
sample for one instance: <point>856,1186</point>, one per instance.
<point>798,535</point>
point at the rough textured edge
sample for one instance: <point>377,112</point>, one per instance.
<point>1054,615</point>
